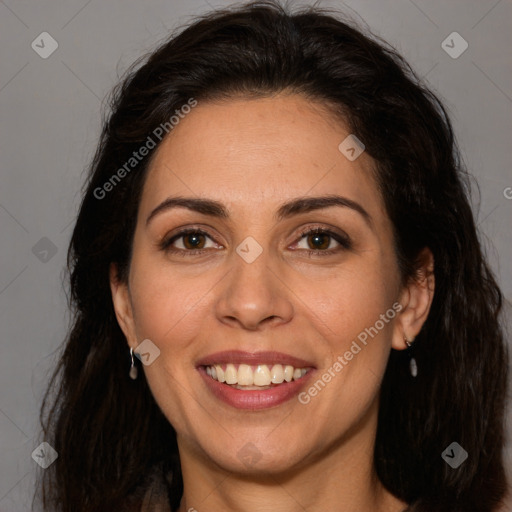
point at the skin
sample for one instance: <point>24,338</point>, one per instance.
<point>252,155</point>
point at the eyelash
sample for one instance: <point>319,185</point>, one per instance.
<point>343,240</point>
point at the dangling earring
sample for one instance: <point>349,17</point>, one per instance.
<point>133,369</point>
<point>413,367</point>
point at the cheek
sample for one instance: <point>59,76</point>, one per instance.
<point>353,310</point>
<point>356,325</point>
<point>165,301</point>
<point>168,309</point>
<point>351,299</point>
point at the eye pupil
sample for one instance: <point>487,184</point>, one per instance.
<point>317,240</point>
<point>192,240</point>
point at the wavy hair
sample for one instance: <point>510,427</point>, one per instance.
<point>108,430</point>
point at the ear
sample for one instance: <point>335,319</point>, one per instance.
<point>122,306</point>
<point>416,299</point>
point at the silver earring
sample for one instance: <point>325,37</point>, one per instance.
<point>413,367</point>
<point>133,369</point>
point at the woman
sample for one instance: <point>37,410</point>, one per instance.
<point>281,301</point>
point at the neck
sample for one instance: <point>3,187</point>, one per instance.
<point>340,478</point>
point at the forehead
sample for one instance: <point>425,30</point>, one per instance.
<point>250,152</point>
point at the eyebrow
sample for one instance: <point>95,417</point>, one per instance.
<point>289,209</point>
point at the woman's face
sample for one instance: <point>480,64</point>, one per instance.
<point>249,287</point>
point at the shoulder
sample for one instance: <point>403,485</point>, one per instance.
<point>156,496</point>
<point>151,495</point>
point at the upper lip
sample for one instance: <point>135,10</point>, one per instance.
<point>253,358</point>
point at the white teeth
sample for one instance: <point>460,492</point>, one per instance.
<point>262,376</point>
<point>220,374</point>
<point>231,375</point>
<point>244,375</point>
<point>277,374</point>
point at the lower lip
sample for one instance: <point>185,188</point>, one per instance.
<point>254,399</point>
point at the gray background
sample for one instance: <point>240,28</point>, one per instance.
<point>50,110</point>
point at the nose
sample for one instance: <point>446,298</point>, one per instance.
<point>253,295</point>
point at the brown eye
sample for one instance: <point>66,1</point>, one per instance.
<point>319,241</point>
<point>189,241</point>
<point>193,240</point>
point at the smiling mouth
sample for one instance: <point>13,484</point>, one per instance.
<point>254,377</point>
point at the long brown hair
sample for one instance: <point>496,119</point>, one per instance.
<point>108,430</point>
